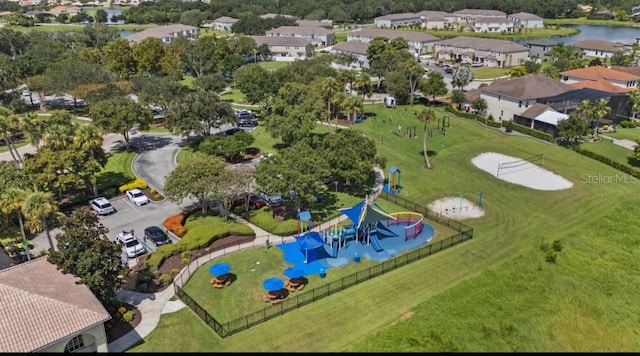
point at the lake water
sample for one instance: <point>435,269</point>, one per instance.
<point>626,35</point>
<point>110,13</point>
<point>125,34</point>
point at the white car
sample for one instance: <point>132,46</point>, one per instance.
<point>137,197</point>
<point>131,244</point>
<point>102,206</point>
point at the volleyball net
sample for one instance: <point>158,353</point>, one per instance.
<point>510,166</point>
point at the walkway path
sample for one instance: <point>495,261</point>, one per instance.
<point>628,144</point>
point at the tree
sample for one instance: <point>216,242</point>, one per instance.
<point>363,84</point>
<point>193,17</point>
<point>200,56</point>
<point>211,83</point>
<point>353,106</point>
<point>298,168</point>
<point>159,91</point>
<point>85,251</point>
<point>171,63</point>
<point>101,16</point>
<point>120,115</point>
<point>350,156</point>
<point>434,85</point>
<point>70,73</point>
<point>295,112</point>
<point>461,77</point>
<point>414,71</point>
<point>479,105</point>
<point>39,207</point>
<point>231,147</point>
<point>118,58</point>
<point>196,178</point>
<point>458,98</point>
<point>572,128</point>
<point>257,85</point>
<point>234,183</point>
<point>199,112</point>
<point>549,70</point>
<point>9,126</point>
<point>88,138</point>
<point>12,200</point>
<point>40,84</point>
<point>35,125</point>
<point>634,99</point>
<point>593,111</point>
<point>531,67</point>
<point>517,71</point>
<point>426,116</point>
<point>328,87</point>
<point>148,55</point>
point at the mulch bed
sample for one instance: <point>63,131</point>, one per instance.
<point>116,327</point>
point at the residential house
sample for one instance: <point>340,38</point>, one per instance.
<point>526,20</point>
<point>35,13</point>
<point>509,97</point>
<point>67,10</point>
<point>585,8</point>
<point>419,42</point>
<point>434,20</point>
<point>30,3</point>
<point>569,101</point>
<point>166,33</point>
<point>600,48</point>
<point>286,48</point>
<point>541,117</point>
<point>223,23</point>
<point>472,15</point>
<point>490,52</point>
<point>607,78</point>
<point>635,70</point>
<point>318,36</point>
<point>45,310</point>
<point>272,15</point>
<point>397,20</point>
<point>539,48</point>
<point>493,24</point>
<point>314,23</point>
<point>357,49</point>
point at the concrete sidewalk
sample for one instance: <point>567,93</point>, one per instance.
<point>628,144</point>
<point>152,306</point>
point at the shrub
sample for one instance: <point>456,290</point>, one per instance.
<point>174,224</point>
<point>165,279</point>
<point>122,310</point>
<point>186,254</point>
<point>145,276</point>
<point>557,246</point>
<point>605,127</point>
<point>606,160</point>
<point>627,124</point>
<point>128,316</point>
<point>186,261</point>
<point>532,132</point>
<point>174,272</point>
<point>134,184</point>
<point>551,256</point>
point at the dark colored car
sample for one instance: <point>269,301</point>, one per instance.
<point>255,202</point>
<point>247,122</point>
<point>229,132</point>
<point>448,69</point>
<point>156,235</point>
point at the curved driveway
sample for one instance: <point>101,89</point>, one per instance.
<point>157,157</point>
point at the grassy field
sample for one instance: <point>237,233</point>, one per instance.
<point>609,149</point>
<point>341,37</point>
<point>117,170</point>
<point>493,293</point>
<point>524,35</point>
<point>204,32</point>
<point>489,73</point>
<point>585,21</point>
<point>234,96</point>
<point>273,65</point>
<point>622,133</point>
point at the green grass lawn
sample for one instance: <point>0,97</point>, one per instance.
<point>609,149</point>
<point>273,65</point>
<point>117,171</point>
<point>622,133</point>
<point>585,21</point>
<point>234,96</point>
<point>489,73</point>
<point>204,32</point>
<point>341,37</point>
<point>525,34</point>
<point>493,293</point>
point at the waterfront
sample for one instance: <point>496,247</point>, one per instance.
<point>626,35</point>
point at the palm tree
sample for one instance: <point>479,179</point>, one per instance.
<point>352,104</point>
<point>363,84</point>
<point>38,207</point>
<point>414,72</point>
<point>601,109</point>
<point>58,136</point>
<point>338,101</point>
<point>634,97</point>
<point>480,106</point>
<point>328,88</point>
<point>35,125</point>
<point>426,115</point>
<point>9,123</point>
<point>88,138</point>
<point>12,200</point>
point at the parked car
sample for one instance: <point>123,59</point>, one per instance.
<point>448,69</point>
<point>156,235</point>
<point>272,200</point>
<point>229,132</point>
<point>26,92</point>
<point>131,244</point>
<point>247,122</point>
<point>137,197</point>
<point>102,206</point>
<point>256,202</point>
<point>477,64</point>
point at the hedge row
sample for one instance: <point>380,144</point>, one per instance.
<point>202,230</point>
<point>472,116</point>
<point>137,183</point>
<point>608,161</point>
<point>532,132</point>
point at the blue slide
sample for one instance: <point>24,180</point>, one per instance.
<point>375,243</point>
<point>335,249</point>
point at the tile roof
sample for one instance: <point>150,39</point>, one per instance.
<point>596,72</point>
<point>602,85</point>
<point>321,31</point>
<point>480,12</point>
<point>485,44</point>
<point>40,305</point>
<point>411,36</point>
<point>159,32</point>
<point>533,86</point>
<point>357,47</point>
<point>600,45</point>
<point>535,110</point>
<point>526,16</point>
<point>225,19</point>
<point>280,41</point>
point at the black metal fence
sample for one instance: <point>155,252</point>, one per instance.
<point>303,298</point>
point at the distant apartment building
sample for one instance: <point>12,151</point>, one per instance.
<point>318,36</point>
<point>610,80</point>
<point>434,20</point>
<point>493,24</point>
<point>272,15</point>
<point>526,20</point>
<point>471,15</point>
<point>397,20</point>
<point>314,23</point>
<point>490,52</point>
<point>600,48</point>
<point>539,48</point>
<point>357,49</point>
<point>166,33</point>
<point>66,10</point>
<point>223,23</point>
<point>286,49</point>
<point>419,42</point>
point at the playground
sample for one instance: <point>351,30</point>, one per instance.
<point>373,234</point>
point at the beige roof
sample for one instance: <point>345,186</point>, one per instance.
<point>535,110</point>
<point>159,32</point>
<point>596,72</point>
<point>272,15</point>
<point>412,36</point>
<point>321,31</point>
<point>280,41</point>
<point>532,86</point>
<point>400,16</point>
<point>480,12</point>
<point>433,15</point>
<point>225,19</point>
<point>526,16</point>
<point>599,45</point>
<point>471,95</point>
<point>484,44</point>
<point>357,47</point>
<point>40,305</point>
<point>312,23</point>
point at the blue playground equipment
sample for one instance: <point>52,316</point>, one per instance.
<point>367,225</point>
<point>393,187</point>
<point>304,222</point>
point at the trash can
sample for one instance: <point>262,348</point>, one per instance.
<point>356,257</point>
<point>322,273</point>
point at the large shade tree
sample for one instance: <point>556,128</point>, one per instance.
<point>195,179</point>
<point>120,115</point>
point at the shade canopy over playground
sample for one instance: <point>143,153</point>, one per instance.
<point>309,241</point>
<point>363,214</point>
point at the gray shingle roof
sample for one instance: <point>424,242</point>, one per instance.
<point>40,306</point>
<point>535,110</point>
<point>600,45</point>
<point>542,42</point>
<point>479,12</point>
<point>526,16</point>
<point>400,16</point>
<point>312,23</point>
<point>159,32</point>
<point>412,36</point>
<point>357,47</point>
<point>485,44</point>
<point>533,86</point>
<point>280,41</point>
<point>321,31</point>
<point>225,19</point>
<point>490,20</point>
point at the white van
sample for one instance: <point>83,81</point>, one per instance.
<point>390,102</point>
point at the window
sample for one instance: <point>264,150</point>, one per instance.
<point>565,78</point>
<point>520,103</point>
<point>74,344</point>
<point>499,97</point>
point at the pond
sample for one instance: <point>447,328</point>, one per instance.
<point>626,35</point>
